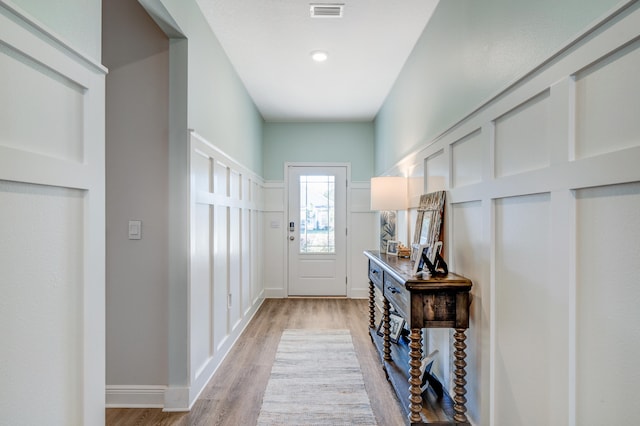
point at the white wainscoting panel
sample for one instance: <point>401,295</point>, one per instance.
<point>257,254</point>
<point>52,243</point>
<point>201,166</point>
<point>234,300</point>
<point>246,250</point>
<point>41,305</point>
<point>547,227</point>
<point>521,138</point>
<point>225,286</point>
<point>362,236</point>
<point>201,289</point>
<point>220,266</point>
<point>235,179</point>
<point>60,115</point>
<point>607,292</point>
<point>608,103</point>
<point>436,171</point>
<point>274,250</point>
<point>468,256</point>
<point>524,311</point>
<point>467,159</point>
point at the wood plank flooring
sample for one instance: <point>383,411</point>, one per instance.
<point>234,395</point>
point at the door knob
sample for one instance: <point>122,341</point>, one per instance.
<point>292,238</point>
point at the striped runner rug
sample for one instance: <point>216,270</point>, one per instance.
<point>316,380</point>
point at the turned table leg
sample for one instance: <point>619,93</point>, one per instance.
<point>459,398</point>
<point>372,306</point>
<point>386,333</point>
<point>415,360</point>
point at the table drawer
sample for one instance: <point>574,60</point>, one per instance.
<point>375,274</point>
<point>397,295</point>
<point>443,309</point>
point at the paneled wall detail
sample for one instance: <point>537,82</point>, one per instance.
<point>473,254</point>
<point>608,103</point>
<point>42,304</point>
<point>436,171</point>
<point>466,159</point>
<point>62,136</point>
<point>226,264</point>
<point>52,244</point>
<point>361,221</point>
<point>526,314</point>
<point>275,247</point>
<point>607,340</point>
<point>517,151</point>
<point>542,214</point>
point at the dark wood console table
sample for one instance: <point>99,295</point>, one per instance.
<point>423,303</point>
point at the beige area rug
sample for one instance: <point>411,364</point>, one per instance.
<point>316,380</point>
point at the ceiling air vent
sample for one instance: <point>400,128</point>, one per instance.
<point>326,10</point>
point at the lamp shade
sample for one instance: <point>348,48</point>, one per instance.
<point>388,193</point>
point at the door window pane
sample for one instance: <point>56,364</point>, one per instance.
<point>317,208</point>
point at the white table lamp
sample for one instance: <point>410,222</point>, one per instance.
<point>388,194</point>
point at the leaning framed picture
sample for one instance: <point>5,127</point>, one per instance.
<point>396,323</point>
<point>392,247</point>
<point>429,219</point>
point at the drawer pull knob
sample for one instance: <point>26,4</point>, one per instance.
<point>393,290</point>
<point>375,271</point>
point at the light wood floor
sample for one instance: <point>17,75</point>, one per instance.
<point>234,395</point>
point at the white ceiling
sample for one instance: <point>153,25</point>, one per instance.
<point>269,43</point>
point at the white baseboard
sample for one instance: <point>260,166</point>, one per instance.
<point>176,399</point>
<point>359,293</point>
<point>132,396</point>
<point>275,293</point>
<point>280,293</point>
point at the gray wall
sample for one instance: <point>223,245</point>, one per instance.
<point>137,55</point>
<point>197,88</point>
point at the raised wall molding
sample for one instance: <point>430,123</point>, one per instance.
<point>537,178</point>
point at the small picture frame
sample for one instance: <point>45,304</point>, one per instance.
<point>437,248</point>
<point>418,264</point>
<point>396,324</point>
<point>392,247</point>
<point>425,369</point>
<point>415,248</point>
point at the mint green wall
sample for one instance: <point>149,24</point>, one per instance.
<point>219,106</point>
<point>76,22</point>
<point>468,52</point>
<point>318,142</point>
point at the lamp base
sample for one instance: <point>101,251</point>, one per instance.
<point>387,228</point>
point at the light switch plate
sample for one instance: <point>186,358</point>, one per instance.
<point>135,229</point>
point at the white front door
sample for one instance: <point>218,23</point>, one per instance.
<point>317,229</point>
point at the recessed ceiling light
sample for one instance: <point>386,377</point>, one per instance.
<point>319,55</point>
